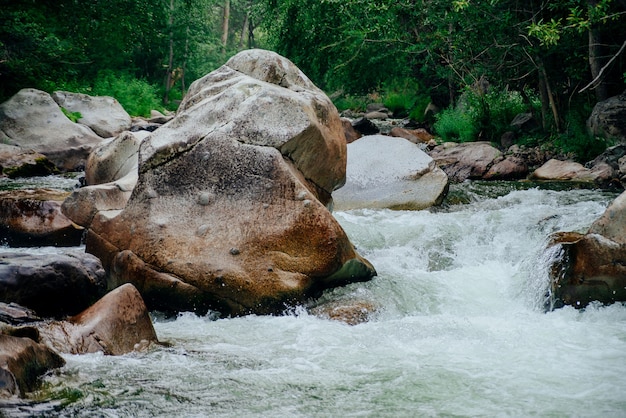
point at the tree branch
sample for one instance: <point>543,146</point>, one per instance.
<point>599,76</point>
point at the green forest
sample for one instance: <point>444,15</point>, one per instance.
<point>479,61</point>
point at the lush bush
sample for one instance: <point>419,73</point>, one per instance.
<point>453,124</point>
<point>405,97</point>
<point>481,116</point>
<point>356,103</point>
<point>137,97</point>
<point>576,140</point>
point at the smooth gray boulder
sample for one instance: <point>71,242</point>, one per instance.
<point>103,114</point>
<point>32,120</point>
<point>390,172</point>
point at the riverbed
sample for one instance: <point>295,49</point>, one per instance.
<point>460,329</point>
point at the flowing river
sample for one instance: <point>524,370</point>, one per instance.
<point>460,330</point>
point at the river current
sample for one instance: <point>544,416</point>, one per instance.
<point>459,330</point>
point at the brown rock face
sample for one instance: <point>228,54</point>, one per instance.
<point>469,160</point>
<point>33,218</point>
<point>117,324</point>
<point>592,267</point>
<point>229,209</point>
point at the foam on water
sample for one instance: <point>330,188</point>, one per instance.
<point>460,331</point>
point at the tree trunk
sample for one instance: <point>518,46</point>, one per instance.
<point>244,29</point>
<point>547,94</point>
<point>182,77</point>
<point>170,62</point>
<point>595,57</point>
<point>225,21</point>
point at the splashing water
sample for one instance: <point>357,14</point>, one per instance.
<point>460,330</point>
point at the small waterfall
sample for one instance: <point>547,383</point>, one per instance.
<point>460,329</point>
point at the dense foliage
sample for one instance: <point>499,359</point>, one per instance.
<point>479,59</point>
<point>469,56</point>
<point>154,47</point>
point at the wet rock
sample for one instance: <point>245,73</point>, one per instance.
<point>15,314</point>
<point>117,324</point>
<point>52,285</point>
<point>34,218</point>
<point>249,162</point>
<point>590,267</point>
<point>469,160</point>
<point>388,172</point>
<point>32,120</point>
<point>349,131</point>
<point>510,168</point>
<point>18,162</point>
<point>415,136</point>
<point>349,312</point>
<point>104,115</point>
<point>22,362</point>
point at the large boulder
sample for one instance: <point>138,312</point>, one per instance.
<point>103,114</point>
<point>33,218</point>
<point>52,285</point>
<point>389,172</point>
<point>22,362</point>
<point>608,118</point>
<point>229,209</point>
<point>111,175</point>
<point>32,120</point>
<point>469,160</point>
<point>117,324</point>
<point>590,267</point>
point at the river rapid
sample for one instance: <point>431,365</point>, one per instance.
<point>460,330</point>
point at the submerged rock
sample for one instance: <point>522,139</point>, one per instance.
<point>388,172</point>
<point>229,209</point>
<point>591,267</point>
<point>352,312</point>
